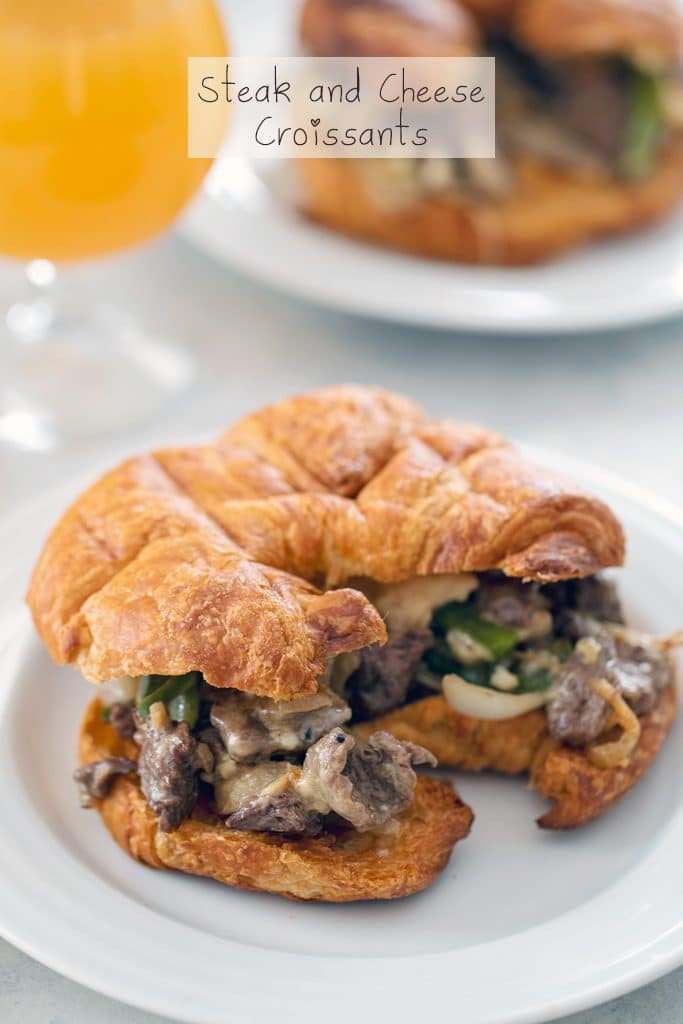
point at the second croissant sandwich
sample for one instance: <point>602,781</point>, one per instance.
<point>589,126</point>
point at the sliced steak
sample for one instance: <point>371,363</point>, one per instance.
<point>169,764</point>
<point>599,598</point>
<point>594,596</point>
<point>95,779</point>
<point>594,105</point>
<point>364,783</point>
<point>285,812</point>
<point>263,797</point>
<point>641,670</point>
<point>122,718</point>
<point>382,680</point>
<point>511,603</point>
<point>576,714</point>
<point>636,666</point>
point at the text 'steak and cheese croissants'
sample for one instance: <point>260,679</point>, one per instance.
<point>288,621</point>
<point>589,126</point>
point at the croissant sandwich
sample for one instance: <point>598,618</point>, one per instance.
<point>215,746</point>
<point>339,589</point>
<point>589,126</point>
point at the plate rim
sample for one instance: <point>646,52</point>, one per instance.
<point>534,1012</point>
<point>217,222</point>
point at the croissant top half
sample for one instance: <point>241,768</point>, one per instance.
<point>647,30</point>
<point>198,558</point>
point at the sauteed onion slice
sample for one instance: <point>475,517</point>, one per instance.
<point>615,752</point>
<point>482,702</point>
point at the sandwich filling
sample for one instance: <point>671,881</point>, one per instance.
<point>500,648</point>
<point>495,647</point>
<point>590,116</point>
<point>261,765</point>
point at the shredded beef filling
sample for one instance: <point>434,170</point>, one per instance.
<point>510,602</point>
<point>274,767</point>
<point>576,714</point>
<point>122,719</point>
<point>587,115</point>
<point>283,812</point>
<point>290,768</point>
<point>594,596</point>
<point>641,672</point>
<point>635,665</point>
<point>383,678</point>
<point>573,112</point>
<point>536,647</point>
<point>364,784</point>
<point>549,617</point>
<point>594,105</point>
<point>168,765</point>
<point>237,784</point>
<point>95,779</point>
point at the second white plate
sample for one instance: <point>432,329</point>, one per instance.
<point>247,218</point>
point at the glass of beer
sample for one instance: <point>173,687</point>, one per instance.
<point>93,159</point>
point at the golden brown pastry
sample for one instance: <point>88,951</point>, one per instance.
<point>649,31</point>
<point>440,498</point>
<point>136,578</point>
<point>579,790</point>
<point>463,742</point>
<point>589,128</point>
<point>337,866</point>
<point>506,650</point>
<point>225,755</point>
<point>405,28</point>
<point>491,13</point>
<point>551,211</point>
<point>356,482</point>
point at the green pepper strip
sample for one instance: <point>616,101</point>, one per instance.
<point>562,648</point>
<point>644,124</point>
<point>440,660</point>
<point>185,707</point>
<point>180,694</point>
<point>146,684</point>
<point>533,681</point>
<point>496,639</point>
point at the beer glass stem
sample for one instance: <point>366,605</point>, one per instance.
<point>71,367</point>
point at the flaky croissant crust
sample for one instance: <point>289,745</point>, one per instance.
<point>389,862</point>
<point>578,790</point>
<point>650,31</point>
<point>196,558</point>
<point>550,209</point>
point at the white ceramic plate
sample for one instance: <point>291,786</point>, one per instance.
<point>522,926</point>
<point>247,218</point>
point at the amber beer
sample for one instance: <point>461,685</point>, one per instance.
<point>93,121</point>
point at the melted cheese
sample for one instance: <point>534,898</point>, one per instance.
<point>409,605</point>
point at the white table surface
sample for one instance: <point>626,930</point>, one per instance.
<point>616,399</point>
